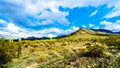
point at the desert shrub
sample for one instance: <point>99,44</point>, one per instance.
<point>25,45</point>
<point>107,54</point>
<point>51,42</point>
<point>118,58</point>
<point>63,44</point>
<point>81,51</point>
<point>50,66</point>
<point>42,58</point>
<point>89,43</point>
<point>95,50</point>
<point>32,50</point>
<point>67,57</point>
<point>34,45</point>
<point>50,53</point>
<point>112,63</point>
<point>113,40</point>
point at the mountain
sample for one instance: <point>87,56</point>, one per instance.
<point>117,32</point>
<point>35,38</point>
<point>106,31</point>
<point>103,30</point>
<point>85,31</point>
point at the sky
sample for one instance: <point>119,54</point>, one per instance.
<point>51,18</point>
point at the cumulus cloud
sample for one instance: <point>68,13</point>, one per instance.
<point>11,27</point>
<point>114,26</point>
<point>17,12</point>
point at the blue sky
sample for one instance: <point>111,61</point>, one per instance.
<point>50,18</point>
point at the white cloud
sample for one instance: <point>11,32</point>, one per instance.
<point>94,13</point>
<point>96,27</point>
<point>37,9</point>
<point>4,34</point>
<point>84,26</point>
<point>51,16</point>
<point>115,12</point>
<point>55,16</point>
<point>46,31</point>
<point>91,25</point>
<point>85,3</point>
<point>114,26</point>
<point>11,27</point>
<point>75,28</point>
<point>71,30</point>
<point>18,32</point>
<point>51,35</point>
<point>2,21</point>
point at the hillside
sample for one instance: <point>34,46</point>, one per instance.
<point>82,49</point>
<point>84,31</point>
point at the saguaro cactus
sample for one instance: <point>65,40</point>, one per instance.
<point>19,47</point>
<point>11,46</point>
<point>11,40</point>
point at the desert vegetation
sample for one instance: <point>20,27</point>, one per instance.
<point>82,49</point>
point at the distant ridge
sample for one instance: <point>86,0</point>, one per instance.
<point>117,32</point>
<point>35,38</point>
<point>106,31</point>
